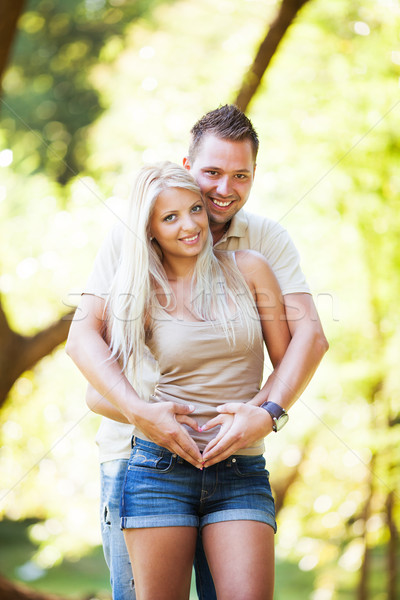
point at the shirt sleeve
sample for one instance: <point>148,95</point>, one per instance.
<point>105,265</point>
<point>275,243</point>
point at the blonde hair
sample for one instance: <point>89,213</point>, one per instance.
<point>133,299</point>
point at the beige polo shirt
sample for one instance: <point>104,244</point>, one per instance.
<point>247,231</point>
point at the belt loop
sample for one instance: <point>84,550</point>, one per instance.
<point>133,441</point>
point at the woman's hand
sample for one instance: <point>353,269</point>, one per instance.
<point>242,425</point>
<point>162,424</point>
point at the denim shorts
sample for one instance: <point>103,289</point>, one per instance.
<point>161,489</point>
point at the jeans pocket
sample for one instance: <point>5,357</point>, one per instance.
<point>161,461</point>
<point>249,466</point>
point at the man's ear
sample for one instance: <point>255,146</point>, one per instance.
<point>186,163</point>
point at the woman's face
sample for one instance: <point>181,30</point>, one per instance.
<point>179,223</point>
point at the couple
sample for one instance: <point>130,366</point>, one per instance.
<point>196,474</point>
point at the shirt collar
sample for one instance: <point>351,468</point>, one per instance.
<point>237,228</point>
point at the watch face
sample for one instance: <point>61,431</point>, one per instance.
<point>278,414</point>
<point>281,422</point>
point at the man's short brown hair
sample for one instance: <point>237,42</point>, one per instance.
<point>227,122</point>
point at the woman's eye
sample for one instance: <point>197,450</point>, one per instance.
<point>169,218</point>
<point>197,208</point>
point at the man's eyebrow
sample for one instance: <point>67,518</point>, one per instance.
<point>219,169</point>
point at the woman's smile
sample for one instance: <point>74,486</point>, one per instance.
<point>191,240</point>
<point>179,223</point>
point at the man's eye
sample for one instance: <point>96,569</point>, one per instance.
<point>212,173</point>
<point>241,176</point>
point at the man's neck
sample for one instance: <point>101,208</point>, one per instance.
<point>218,230</point>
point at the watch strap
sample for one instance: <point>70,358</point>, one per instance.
<point>276,413</point>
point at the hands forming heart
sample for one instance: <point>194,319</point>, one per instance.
<point>241,425</point>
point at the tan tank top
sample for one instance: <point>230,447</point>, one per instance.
<point>199,366</point>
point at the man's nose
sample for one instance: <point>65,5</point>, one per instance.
<point>224,187</point>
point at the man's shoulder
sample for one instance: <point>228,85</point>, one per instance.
<point>256,222</point>
<point>106,262</point>
<point>111,246</point>
<point>270,238</point>
<point>261,231</point>
<point>116,235</point>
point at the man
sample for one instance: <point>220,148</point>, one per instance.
<point>222,159</point>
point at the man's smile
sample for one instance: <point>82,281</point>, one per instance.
<point>221,203</point>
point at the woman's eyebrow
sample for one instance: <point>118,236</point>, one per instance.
<point>166,212</point>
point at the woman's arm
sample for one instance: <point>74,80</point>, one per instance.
<point>161,423</point>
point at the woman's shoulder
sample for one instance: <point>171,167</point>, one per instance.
<point>255,269</point>
<point>250,259</point>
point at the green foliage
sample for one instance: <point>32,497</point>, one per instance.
<point>49,100</point>
<point>87,576</point>
<point>328,117</point>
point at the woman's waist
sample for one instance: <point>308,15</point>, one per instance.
<point>141,441</point>
<point>204,399</point>
<point>205,409</point>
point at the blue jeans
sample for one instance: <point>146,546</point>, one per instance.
<point>161,489</point>
<point>112,474</point>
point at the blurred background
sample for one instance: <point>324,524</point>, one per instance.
<point>92,89</point>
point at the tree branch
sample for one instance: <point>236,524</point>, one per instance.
<point>14,591</point>
<point>5,330</point>
<point>45,341</point>
<point>275,32</point>
<point>18,353</point>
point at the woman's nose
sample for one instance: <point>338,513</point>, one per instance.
<point>189,223</point>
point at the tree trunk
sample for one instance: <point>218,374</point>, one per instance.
<point>275,32</point>
<point>391,548</point>
<point>10,11</point>
<point>362,591</point>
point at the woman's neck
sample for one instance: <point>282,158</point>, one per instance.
<point>180,269</point>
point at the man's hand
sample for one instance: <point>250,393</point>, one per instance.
<point>162,424</point>
<point>242,425</point>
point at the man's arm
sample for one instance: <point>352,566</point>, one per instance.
<point>99,405</point>
<point>90,352</point>
<point>285,385</point>
<point>304,353</point>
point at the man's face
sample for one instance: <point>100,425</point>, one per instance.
<point>224,170</point>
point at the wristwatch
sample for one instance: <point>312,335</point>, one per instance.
<point>278,414</point>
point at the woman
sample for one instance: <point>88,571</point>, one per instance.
<point>204,316</point>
